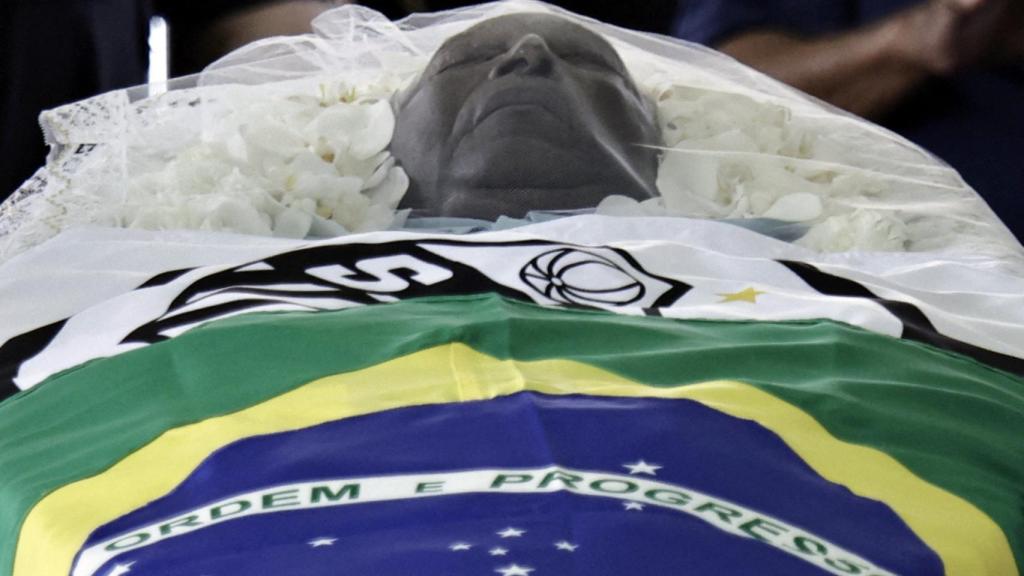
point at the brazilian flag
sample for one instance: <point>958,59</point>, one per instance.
<point>476,435</point>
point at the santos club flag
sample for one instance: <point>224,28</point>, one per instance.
<point>480,435</point>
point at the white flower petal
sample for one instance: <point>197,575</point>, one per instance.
<point>292,223</point>
<point>799,207</point>
<point>390,192</point>
<point>386,162</point>
<point>324,228</point>
<point>616,205</point>
<point>380,125</point>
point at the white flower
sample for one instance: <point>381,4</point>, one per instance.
<point>799,207</point>
<point>861,230</point>
<point>357,130</point>
<point>292,223</point>
<point>268,160</point>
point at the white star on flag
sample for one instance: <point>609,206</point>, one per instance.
<point>641,467</point>
<point>120,569</point>
<point>460,546</point>
<point>633,506</point>
<point>514,570</point>
<point>498,551</point>
<point>322,542</point>
<point>511,532</point>
<point>567,546</point>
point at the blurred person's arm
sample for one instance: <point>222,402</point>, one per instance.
<point>871,69</point>
<point>1013,38</point>
<point>200,35</point>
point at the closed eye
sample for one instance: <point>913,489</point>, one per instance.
<point>479,57</point>
<point>461,63</point>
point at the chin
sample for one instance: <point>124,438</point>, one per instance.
<point>523,164</point>
<point>502,160</point>
<point>517,200</point>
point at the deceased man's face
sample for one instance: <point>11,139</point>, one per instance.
<point>524,112</point>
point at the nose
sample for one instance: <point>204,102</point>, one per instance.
<point>529,56</point>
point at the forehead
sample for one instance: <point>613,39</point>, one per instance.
<point>559,33</point>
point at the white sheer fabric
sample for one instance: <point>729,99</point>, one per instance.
<point>289,137</point>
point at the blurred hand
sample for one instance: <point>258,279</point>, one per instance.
<point>947,36</point>
<point>1012,47</point>
<point>280,18</point>
<point>194,45</point>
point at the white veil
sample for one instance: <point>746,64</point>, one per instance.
<point>288,137</point>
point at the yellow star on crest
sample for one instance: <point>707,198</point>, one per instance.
<point>746,295</point>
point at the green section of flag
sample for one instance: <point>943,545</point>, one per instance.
<point>954,422</point>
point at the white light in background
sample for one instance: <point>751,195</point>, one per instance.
<point>158,56</point>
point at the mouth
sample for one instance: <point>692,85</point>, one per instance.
<point>519,106</point>
<point>518,109</point>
